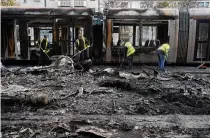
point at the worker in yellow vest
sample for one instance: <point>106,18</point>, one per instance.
<point>44,51</point>
<point>81,44</point>
<point>129,52</point>
<point>162,53</point>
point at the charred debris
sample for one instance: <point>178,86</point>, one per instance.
<point>61,100</point>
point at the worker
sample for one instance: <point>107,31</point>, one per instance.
<point>162,53</point>
<point>129,51</point>
<point>81,44</point>
<point>44,52</point>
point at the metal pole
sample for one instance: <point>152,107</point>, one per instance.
<point>73,32</point>
<point>15,40</point>
<point>99,5</point>
<point>45,3</point>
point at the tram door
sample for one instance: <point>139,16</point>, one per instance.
<point>202,41</point>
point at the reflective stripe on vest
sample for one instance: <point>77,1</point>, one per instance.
<point>131,49</point>
<point>85,45</point>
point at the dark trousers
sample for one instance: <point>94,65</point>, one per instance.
<point>161,59</point>
<point>43,59</point>
<point>129,61</point>
<point>82,56</point>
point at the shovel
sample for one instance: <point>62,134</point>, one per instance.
<point>45,53</point>
<point>80,52</point>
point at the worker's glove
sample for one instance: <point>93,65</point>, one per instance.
<point>79,52</point>
<point>44,51</point>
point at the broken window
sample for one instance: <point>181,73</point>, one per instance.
<point>126,32</point>
<point>121,33</point>
<point>46,31</point>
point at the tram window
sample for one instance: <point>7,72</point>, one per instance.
<point>126,32</point>
<point>201,51</point>
<point>202,41</point>
<point>121,32</point>
<point>137,36</point>
<point>203,31</point>
<point>149,33</point>
<point>115,35</point>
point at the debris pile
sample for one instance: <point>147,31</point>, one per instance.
<point>109,101</point>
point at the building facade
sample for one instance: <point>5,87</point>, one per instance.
<point>98,5</point>
<point>168,4</point>
<point>60,3</point>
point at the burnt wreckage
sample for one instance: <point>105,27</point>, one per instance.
<point>61,24</point>
<point>52,101</point>
<point>187,32</point>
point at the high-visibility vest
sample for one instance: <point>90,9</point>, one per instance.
<point>46,50</point>
<point>83,39</point>
<point>165,48</point>
<point>130,48</point>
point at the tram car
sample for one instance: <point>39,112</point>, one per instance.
<point>23,28</point>
<point>188,33</point>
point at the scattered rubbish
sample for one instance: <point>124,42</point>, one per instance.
<point>115,83</point>
<point>93,131</point>
<point>85,102</point>
<point>131,76</point>
<point>3,68</point>
<point>80,91</point>
<point>61,128</point>
<point>26,132</point>
<point>15,93</point>
<point>63,61</point>
<point>109,70</point>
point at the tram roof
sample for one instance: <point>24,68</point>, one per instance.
<point>11,11</point>
<point>141,13</point>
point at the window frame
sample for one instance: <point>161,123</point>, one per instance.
<point>207,58</point>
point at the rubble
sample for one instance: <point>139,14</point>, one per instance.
<point>95,132</point>
<point>110,101</point>
<point>12,94</point>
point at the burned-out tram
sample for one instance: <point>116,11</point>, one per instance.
<point>188,32</point>
<point>198,49</point>
<point>146,29</point>
<point>26,26</point>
